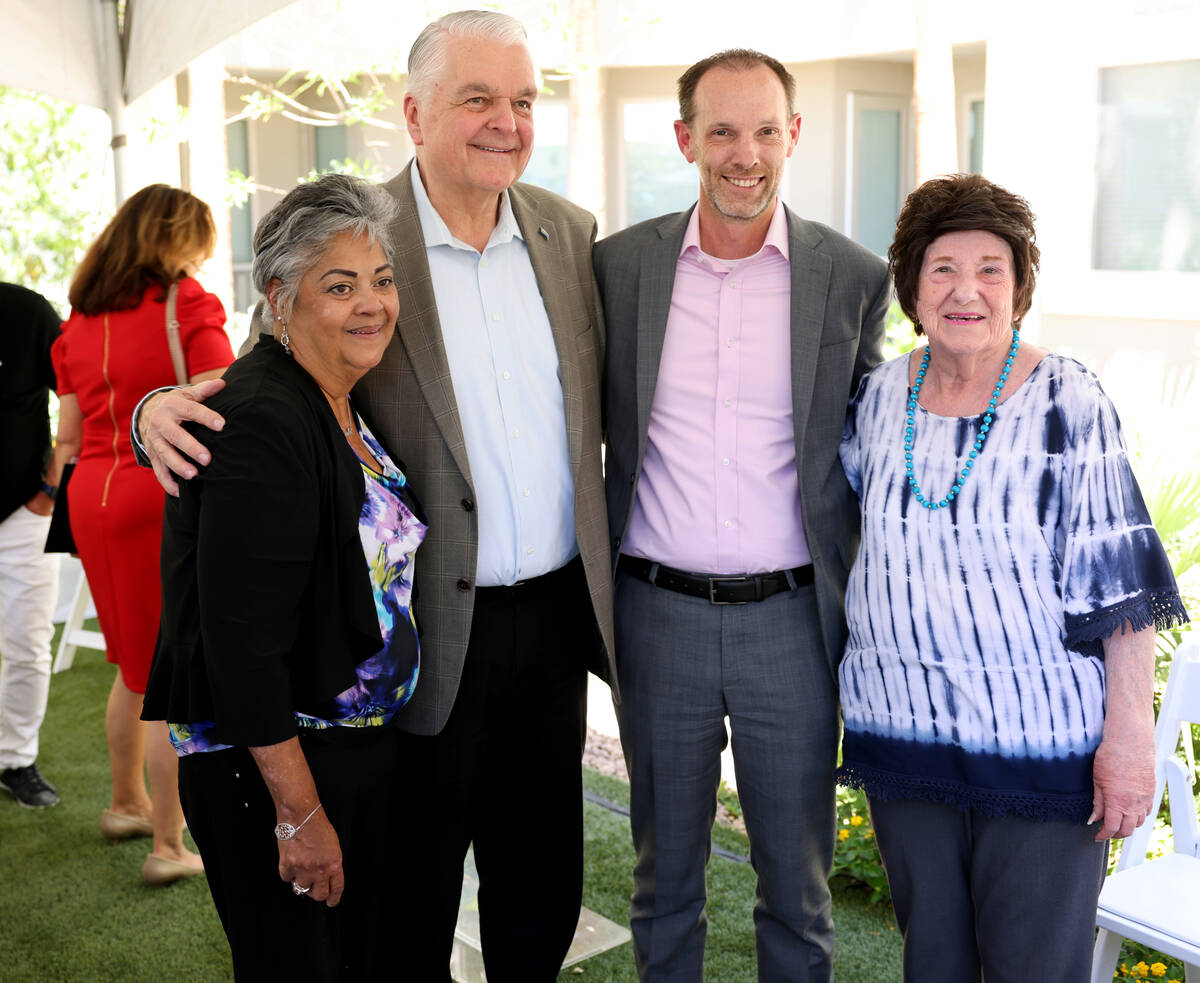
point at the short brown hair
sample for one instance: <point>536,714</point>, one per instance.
<point>962,203</point>
<point>154,234</point>
<point>737,59</point>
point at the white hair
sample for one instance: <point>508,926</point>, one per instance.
<point>427,57</point>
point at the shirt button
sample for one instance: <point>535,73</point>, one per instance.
<point>526,493</point>
<point>529,551</point>
<point>728,402</point>
<point>463,584</point>
<point>468,505</point>
<point>733,284</point>
<point>495,317</point>
<point>483,261</point>
<point>728,523</point>
<point>516,432</point>
<point>506,374</point>
<point>725,462</point>
<point>729,343</point>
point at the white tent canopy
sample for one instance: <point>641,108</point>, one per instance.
<point>59,46</point>
<point>71,49</point>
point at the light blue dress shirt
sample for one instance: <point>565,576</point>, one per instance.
<point>507,384</point>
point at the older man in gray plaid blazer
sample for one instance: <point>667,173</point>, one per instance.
<point>513,580</point>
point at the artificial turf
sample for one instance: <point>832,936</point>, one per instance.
<point>73,908</point>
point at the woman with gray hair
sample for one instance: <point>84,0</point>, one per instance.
<point>287,640</point>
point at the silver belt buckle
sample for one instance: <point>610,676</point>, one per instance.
<point>712,588</point>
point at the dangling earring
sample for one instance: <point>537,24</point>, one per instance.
<point>283,338</point>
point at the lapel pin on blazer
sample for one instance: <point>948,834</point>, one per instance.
<point>543,233</point>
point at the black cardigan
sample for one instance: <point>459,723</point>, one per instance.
<point>267,603</point>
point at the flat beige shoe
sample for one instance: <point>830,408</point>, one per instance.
<point>118,826</point>
<point>162,870</point>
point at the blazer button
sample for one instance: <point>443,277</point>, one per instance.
<point>463,585</point>
<point>468,505</point>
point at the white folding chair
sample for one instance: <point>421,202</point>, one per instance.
<point>74,635</point>
<point>1157,902</point>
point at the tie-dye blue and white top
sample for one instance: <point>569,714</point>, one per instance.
<point>974,671</point>
<point>390,533</point>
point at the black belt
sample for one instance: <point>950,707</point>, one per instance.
<point>718,589</point>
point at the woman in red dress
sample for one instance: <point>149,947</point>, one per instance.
<point>113,350</point>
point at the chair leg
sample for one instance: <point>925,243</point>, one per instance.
<point>1191,974</point>
<point>1104,956</point>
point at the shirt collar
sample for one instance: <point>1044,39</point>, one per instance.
<point>776,238</point>
<point>437,232</point>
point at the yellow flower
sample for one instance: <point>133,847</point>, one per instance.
<point>843,835</point>
<point>868,833</point>
<point>1158,969</point>
<point>856,820</point>
<point>1140,969</point>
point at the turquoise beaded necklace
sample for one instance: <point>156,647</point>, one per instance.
<point>984,428</point>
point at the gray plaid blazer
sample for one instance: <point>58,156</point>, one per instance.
<point>840,296</point>
<point>409,397</point>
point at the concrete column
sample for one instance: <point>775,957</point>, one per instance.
<point>933,90</point>
<point>585,158</point>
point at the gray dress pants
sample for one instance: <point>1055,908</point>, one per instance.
<point>685,665</point>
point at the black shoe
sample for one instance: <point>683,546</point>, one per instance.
<point>28,787</point>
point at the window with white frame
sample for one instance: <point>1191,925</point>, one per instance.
<point>657,177</point>
<point>547,167</point>
<point>329,148</point>
<point>1147,213</point>
<point>241,225</point>
<point>876,167</point>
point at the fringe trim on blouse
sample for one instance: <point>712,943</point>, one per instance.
<point>1152,609</point>
<point>1040,807</point>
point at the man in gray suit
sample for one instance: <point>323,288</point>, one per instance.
<point>490,395</point>
<point>736,332</point>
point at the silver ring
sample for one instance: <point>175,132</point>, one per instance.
<point>297,889</point>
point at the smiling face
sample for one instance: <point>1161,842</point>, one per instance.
<point>344,313</point>
<point>474,132</point>
<point>965,293</point>
<point>739,138</point>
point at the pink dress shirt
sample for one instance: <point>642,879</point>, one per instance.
<point>719,491</point>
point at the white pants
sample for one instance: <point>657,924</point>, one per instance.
<point>28,590</point>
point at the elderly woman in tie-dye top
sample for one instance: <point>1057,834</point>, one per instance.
<point>287,640</point>
<point>997,680</point>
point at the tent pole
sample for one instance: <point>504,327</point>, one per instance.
<point>114,68</point>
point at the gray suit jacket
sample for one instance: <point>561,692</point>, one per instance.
<point>409,397</point>
<point>840,296</point>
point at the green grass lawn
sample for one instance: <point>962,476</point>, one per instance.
<point>73,908</point>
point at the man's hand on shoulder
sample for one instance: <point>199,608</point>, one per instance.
<point>167,444</point>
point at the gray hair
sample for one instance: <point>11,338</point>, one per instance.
<point>292,235</point>
<point>427,57</point>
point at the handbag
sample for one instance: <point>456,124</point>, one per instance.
<point>59,538</point>
<point>173,343</point>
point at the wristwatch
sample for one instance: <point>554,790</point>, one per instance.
<point>50,490</point>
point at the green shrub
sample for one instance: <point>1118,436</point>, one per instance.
<point>855,854</point>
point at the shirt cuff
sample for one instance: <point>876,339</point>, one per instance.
<point>139,452</point>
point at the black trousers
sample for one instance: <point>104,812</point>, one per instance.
<point>274,934</point>
<point>505,775</point>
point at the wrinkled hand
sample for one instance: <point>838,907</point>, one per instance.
<point>1123,779</point>
<point>166,442</point>
<point>313,858</point>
